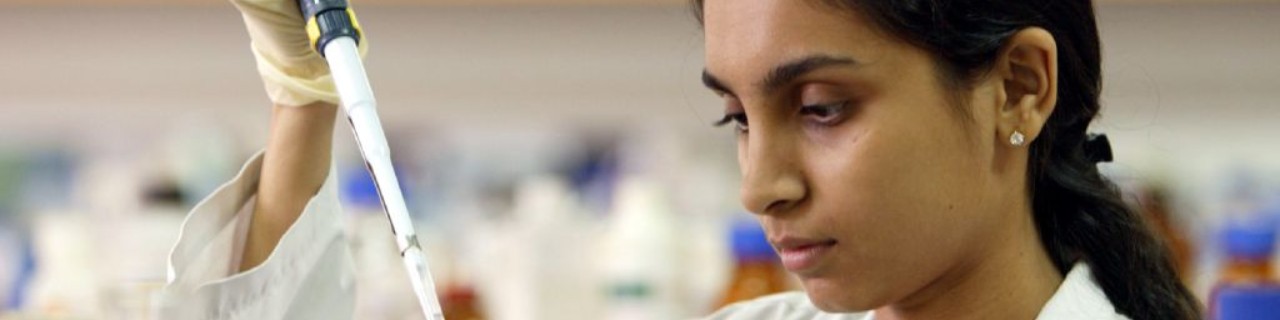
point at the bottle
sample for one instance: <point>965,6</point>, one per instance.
<point>1246,289</point>
<point>380,279</point>
<point>639,267</point>
<point>540,272</point>
<point>459,302</point>
<point>1249,249</point>
<point>1245,303</point>
<point>757,272</point>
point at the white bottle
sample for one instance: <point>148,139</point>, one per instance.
<point>382,285</point>
<point>640,255</point>
<point>540,271</point>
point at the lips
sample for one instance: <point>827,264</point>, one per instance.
<point>803,254</point>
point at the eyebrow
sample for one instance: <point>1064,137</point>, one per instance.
<point>712,82</point>
<point>784,74</point>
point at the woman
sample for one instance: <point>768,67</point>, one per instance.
<point>919,159</point>
<point>928,159</point>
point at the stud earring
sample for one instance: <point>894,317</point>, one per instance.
<point>1017,139</point>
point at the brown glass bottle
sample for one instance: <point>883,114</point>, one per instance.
<point>460,302</point>
<point>757,271</point>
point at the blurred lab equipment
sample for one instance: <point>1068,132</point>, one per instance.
<point>1247,288</point>
<point>757,272</point>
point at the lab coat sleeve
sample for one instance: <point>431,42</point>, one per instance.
<point>308,276</point>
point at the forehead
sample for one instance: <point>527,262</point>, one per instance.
<point>751,34</point>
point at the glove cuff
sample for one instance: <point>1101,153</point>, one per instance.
<point>298,88</point>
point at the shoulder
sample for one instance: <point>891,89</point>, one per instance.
<point>782,306</point>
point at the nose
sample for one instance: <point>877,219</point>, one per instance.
<point>772,179</point>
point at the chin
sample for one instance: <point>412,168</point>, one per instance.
<point>832,297</point>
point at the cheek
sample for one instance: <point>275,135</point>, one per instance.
<point>867,196</point>
<point>891,195</point>
<point>895,175</point>
<point>896,194</point>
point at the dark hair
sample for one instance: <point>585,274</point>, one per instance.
<point>1078,213</point>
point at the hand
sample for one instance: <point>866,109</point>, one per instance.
<point>292,72</point>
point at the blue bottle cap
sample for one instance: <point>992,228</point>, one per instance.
<point>358,189</point>
<point>1252,242</point>
<point>749,242</point>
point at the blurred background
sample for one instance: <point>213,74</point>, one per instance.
<point>557,154</point>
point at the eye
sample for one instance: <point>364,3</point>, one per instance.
<point>739,120</point>
<point>826,114</point>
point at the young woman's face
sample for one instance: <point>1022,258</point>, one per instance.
<point>872,185</point>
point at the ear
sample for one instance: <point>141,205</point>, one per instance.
<point>1027,69</point>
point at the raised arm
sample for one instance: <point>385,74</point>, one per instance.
<point>294,166</point>
<point>298,153</point>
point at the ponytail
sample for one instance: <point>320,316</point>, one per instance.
<point>1081,218</point>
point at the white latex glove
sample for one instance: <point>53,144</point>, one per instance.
<point>292,72</point>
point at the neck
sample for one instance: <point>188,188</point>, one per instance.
<point>1012,279</point>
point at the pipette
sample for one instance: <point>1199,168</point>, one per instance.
<point>335,34</point>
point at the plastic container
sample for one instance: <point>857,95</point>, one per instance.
<point>640,262</point>
<point>539,270</point>
<point>381,281</point>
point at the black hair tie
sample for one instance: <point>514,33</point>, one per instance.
<point>1097,148</point>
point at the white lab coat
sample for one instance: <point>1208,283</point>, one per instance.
<point>310,273</point>
<point>308,276</point>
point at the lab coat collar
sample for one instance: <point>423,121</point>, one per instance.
<point>1079,297</point>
